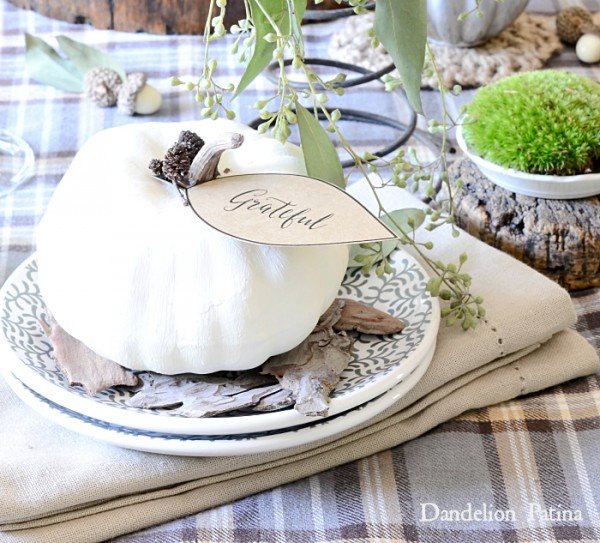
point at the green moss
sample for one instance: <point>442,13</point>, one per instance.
<point>545,122</point>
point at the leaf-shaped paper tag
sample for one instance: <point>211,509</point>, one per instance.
<point>45,65</point>
<point>86,57</point>
<point>284,209</point>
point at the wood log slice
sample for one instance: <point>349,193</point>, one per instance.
<point>559,238</point>
<point>153,16</point>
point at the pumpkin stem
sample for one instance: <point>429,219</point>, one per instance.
<point>204,165</point>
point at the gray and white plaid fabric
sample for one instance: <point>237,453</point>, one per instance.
<point>531,466</point>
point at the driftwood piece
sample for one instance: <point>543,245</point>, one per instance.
<point>366,319</point>
<point>303,377</point>
<point>274,402</point>
<point>169,390</point>
<point>82,366</point>
<point>221,402</point>
<point>202,395</point>
<point>312,369</point>
<point>559,238</point>
<point>346,315</point>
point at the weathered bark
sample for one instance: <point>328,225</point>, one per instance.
<point>154,16</point>
<point>559,238</point>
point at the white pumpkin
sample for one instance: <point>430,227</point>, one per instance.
<point>136,276</point>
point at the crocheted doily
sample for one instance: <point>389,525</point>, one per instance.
<point>526,45</point>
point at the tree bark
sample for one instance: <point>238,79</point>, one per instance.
<point>559,238</point>
<point>153,16</point>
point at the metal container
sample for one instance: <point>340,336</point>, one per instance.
<point>445,27</point>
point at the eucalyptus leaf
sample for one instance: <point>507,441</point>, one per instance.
<point>263,54</point>
<point>401,27</point>
<point>320,156</point>
<point>46,66</point>
<point>86,57</point>
<point>297,7</point>
<point>404,221</point>
<point>281,12</point>
<point>263,50</point>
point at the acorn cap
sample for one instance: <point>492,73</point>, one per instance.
<point>129,90</point>
<point>102,86</point>
<point>571,22</point>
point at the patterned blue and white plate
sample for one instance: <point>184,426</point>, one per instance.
<point>213,445</point>
<point>379,363</point>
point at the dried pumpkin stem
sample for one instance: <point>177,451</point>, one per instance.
<point>204,165</point>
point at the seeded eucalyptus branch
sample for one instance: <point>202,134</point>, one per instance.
<point>272,33</point>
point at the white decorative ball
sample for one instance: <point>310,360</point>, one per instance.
<point>587,48</point>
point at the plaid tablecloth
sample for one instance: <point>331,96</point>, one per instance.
<point>523,471</point>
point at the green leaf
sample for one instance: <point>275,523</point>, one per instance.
<point>320,156</point>
<point>401,27</point>
<point>279,11</point>
<point>46,66</point>
<point>263,50</point>
<point>298,7</point>
<point>403,221</point>
<point>86,57</point>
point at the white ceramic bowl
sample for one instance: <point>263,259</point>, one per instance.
<point>555,187</point>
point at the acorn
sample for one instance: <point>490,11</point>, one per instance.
<point>136,96</point>
<point>105,88</point>
<point>101,86</point>
<point>571,23</point>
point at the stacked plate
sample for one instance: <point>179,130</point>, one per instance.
<point>383,369</point>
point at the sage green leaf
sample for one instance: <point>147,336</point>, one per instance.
<point>46,66</point>
<point>404,221</point>
<point>297,7</point>
<point>86,57</point>
<point>320,157</point>
<point>263,54</point>
<point>263,50</point>
<point>401,27</point>
<point>280,12</point>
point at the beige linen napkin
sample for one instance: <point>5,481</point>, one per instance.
<point>58,486</point>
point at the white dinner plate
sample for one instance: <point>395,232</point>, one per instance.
<point>554,187</point>
<point>213,445</point>
<point>379,362</point>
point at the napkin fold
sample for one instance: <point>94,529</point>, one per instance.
<point>58,486</point>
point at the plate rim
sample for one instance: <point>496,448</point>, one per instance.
<point>143,421</point>
<point>180,446</point>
